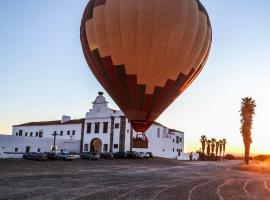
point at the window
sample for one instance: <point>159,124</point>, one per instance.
<point>27,149</point>
<point>96,127</point>
<point>180,139</point>
<point>105,127</point>
<point>116,125</point>
<point>173,149</point>
<point>73,132</point>
<point>16,149</point>
<point>68,132</point>
<point>88,128</point>
<point>177,139</point>
<point>20,132</point>
<point>173,140</point>
<point>115,146</point>
<point>61,133</point>
<point>17,133</point>
<point>36,134</point>
<point>86,147</point>
<point>158,132</point>
<point>40,134</point>
<point>31,134</point>
<point>38,150</point>
<point>105,147</point>
<point>25,134</point>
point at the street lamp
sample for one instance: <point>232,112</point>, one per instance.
<point>54,140</point>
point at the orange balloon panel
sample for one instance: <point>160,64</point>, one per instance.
<point>145,53</point>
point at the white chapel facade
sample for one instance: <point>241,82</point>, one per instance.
<point>103,129</point>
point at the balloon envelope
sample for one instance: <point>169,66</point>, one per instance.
<point>145,53</point>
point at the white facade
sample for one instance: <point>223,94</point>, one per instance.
<point>102,127</point>
<point>162,142</point>
<point>70,129</point>
<point>14,146</point>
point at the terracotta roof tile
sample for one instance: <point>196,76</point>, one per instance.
<point>56,122</point>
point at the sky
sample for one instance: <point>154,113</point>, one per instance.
<point>43,73</point>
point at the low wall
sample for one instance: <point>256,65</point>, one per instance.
<point>186,156</point>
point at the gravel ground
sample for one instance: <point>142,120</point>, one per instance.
<point>130,179</point>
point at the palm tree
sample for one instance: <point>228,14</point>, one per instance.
<point>220,147</point>
<point>224,141</point>
<point>213,144</point>
<point>208,142</point>
<point>203,142</point>
<point>217,148</point>
<point>247,112</point>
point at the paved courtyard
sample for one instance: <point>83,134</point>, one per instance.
<point>129,179</point>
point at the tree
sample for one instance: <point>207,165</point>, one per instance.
<point>203,142</point>
<point>224,142</point>
<point>220,147</point>
<point>213,144</point>
<point>217,148</point>
<point>247,113</point>
<point>208,142</point>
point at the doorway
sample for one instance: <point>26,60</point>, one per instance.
<point>96,145</point>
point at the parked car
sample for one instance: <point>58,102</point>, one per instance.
<point>143,155</point>
<point>90,156</point>
<point>132,154</point>
<point>150,154</point>
<point>121,155</point>
<point>51,155</point>
<point>29,156</point>
<point>65,156</point>
<point>35,156</point>
<point>106,155</point>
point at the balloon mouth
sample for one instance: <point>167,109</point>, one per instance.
<point>140,126</point>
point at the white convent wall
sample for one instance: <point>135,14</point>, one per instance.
<point>8,143</point>
<point>163,144</point>
<point>48,130</point>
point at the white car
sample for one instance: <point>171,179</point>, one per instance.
<point>65,156</point>
<point>142,155</point>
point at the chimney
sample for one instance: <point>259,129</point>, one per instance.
<point>65,119</point>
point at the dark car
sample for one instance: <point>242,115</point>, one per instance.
<point>106,155</point>
<point>90,156</point>
<point>35,156</point>
<point>132,154</point>
<point>41,157</point>
<point>65,156</point>
<point>51,155</point>
<point>29,156</point>
<point>121,155</point>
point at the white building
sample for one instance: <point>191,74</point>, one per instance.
<point>102,129</point>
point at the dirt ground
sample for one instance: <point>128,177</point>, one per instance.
<point>130,179</point>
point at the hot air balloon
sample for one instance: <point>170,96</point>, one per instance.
<point>145,53</point>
